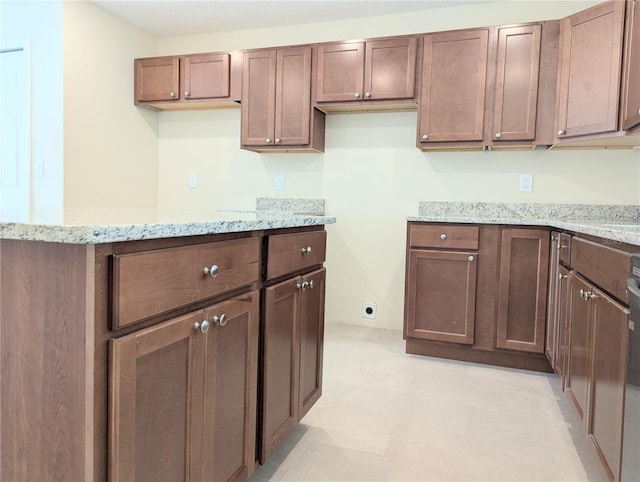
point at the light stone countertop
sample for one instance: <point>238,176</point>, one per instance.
<point>614,222</point>
<point>151,225</point>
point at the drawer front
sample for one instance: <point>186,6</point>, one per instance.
<point>443,236</point>
<point>150,283</point>
<point>564,249</point>
<point>607,267</point>
<point>288,253</point>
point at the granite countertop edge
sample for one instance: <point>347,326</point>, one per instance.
<point>110,233</point>
<point>624,233</point>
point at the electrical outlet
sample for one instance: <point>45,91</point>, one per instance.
<point>279,181</point>
<point>193,180</point>
<point>369,310</point>
<point>526,182</point>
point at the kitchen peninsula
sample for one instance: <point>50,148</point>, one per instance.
<point>125,344</point>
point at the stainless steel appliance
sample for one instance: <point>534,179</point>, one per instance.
<point>631,439</point>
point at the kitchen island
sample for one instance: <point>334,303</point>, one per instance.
<point>133,348</point>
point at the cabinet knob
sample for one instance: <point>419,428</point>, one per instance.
<point>357,95</point>
<point>213,271</point>
<point>277,140</point>
<point>306,250</point>
<point>638,111</point>
<point>498,135</point>
<point>443,236</point>
<point>304,285</point>
<point>220,320</point>
<point>203,327</point>
<point>561,132</point>
<point>186,93</point>
<point>367,94</point>
<point>562,276</point>
<point>267,140</point>
<point>471,258</point>
<point>581,293</point>
<point>588,295</point>
<point>172,94</point>
<point>425,137</point>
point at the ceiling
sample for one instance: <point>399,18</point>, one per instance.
<point>167,18</point>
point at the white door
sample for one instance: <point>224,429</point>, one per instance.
<point>15,158</point>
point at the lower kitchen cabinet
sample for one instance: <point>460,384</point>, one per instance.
<point>524,261</point>
<point>183,396</point>
<point>292,344</point>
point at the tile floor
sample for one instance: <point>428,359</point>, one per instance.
<point>388,416</point>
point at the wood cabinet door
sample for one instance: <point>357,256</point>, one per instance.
<point>551,339</point>
<point>453,86</point>
<point>577,379</point>
<point>293,96</point>
<point>231,388</point>
<point>631,80</point>
<point>156,412</point>
<point>206,76</point>
<point>524,264</point>
<point>258,98</point>
<point>157,79</point>
<point>562,317</point>
<point>390,69</point>
<point>441,295</point>
<point>590,65</point>
<point>610,338</point>
<point>340,72</point>
<point>280,364</point>
<point>311,339</point>
<point>516,90</point>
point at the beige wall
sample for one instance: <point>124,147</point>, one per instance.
<point>371,175</point>
<point>110,146</point>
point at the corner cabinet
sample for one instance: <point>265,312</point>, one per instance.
<point>196,81</point>
<point>292,335</point>
<point>477,293</point>
<point>379,69</point>
<point>276,102</point>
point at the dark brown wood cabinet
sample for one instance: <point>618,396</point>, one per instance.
<point>183,396</point>
<point>292,334</point>
<point>197,81</point>
<point>452,99</point>
<point>551,337</point>
<point>276,103</point>
<point>589,71</point>
<point>631,68</point>
<point>524,261</point>
<point>382,69</point>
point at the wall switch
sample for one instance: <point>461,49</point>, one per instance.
<point>279,181</point>
<point>526,182</point>
<point>193,180</point>
<point>38,168</point>
<point>369,310</point>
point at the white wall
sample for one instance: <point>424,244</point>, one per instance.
<point>110,146</point>
<point>371,175</point>
<point>39,25</point>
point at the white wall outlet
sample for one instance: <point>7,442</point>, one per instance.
<point>279,181</point>
<point>369,310</point>
<point>193,180</point>
<point>526,182</point>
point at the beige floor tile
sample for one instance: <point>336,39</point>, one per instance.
<point>388,416</point>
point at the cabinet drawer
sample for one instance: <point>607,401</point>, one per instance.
<point>564,249</point>
<point>288,253</point>
<point>443,236</point>
<point>607,267</point>
<point>150,283</point>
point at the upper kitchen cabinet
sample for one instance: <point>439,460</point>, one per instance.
<point>589,78</point>
<point>200,81</point>
<point>521,90</point>
<point>276,102</point>
<point>356,75</point>
<point>631,72</point>
<point>452,100</point>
